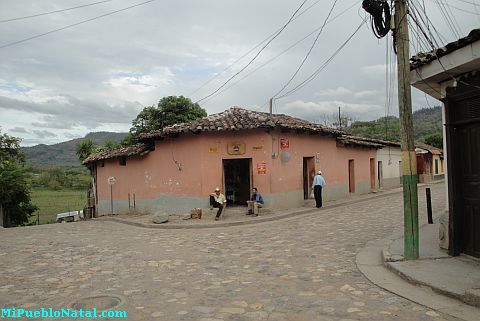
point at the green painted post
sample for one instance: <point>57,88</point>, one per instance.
<point>409,159</point>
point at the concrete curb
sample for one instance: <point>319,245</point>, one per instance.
<point>369,262</point>
<point>258,219</point>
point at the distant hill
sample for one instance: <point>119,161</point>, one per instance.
<point>63,154</point>
<point>426,122</point>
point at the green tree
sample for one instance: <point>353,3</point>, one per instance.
<point>385,128</point>
<point>14,186</point>
<point>10,148</point>
<point>85,148</point>
<point>170,110</point>
<point>435,140</point>
<point>110,145</point>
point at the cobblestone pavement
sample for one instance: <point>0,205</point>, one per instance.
<point>301,268</point>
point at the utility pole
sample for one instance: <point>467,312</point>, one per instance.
<point>339,119</point>
<point>409,159</point>
<point>271,106</point>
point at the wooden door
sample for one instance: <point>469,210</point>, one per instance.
<point>462,111</point>
<point>468,138</point>
<point>372,174</point>
<point>351,176</point>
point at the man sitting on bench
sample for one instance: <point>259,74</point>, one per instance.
<point>255,202</point>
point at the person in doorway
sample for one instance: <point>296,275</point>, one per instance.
<point>255,202</point>
<point>318,184</point>
<point>217,200</point>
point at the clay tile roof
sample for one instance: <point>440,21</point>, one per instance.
<point>349,140</point>
<point>433,150</point>
<point>235,119</point>
<point>424,58</point>
<point>137,149</point>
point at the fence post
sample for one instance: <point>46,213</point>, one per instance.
<point>429,206</point>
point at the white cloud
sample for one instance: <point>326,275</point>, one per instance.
<point>100,74</point>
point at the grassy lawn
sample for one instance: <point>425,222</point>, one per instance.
<point>51,203</point>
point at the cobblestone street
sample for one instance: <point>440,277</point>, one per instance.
<point>299,268</point>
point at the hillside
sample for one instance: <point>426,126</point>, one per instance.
<point>63,154</point>
<point>426,122</point>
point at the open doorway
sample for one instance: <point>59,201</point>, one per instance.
<point>351,176</point>
<point>237,173</point>
<point>308,173</point>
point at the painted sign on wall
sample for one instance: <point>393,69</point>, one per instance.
<point>284,143</point>
<point>236,148</point>
<point>262,168</point>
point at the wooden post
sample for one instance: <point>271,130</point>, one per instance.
<point>429,206</point>
<point>409,161</point>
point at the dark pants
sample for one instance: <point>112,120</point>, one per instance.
<point>216,204</point>
<point>317,192</point>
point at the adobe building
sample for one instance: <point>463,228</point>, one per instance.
<point>175,169</point>
<point>389,161</point>
<point>430,165</point>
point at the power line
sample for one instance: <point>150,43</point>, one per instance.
<point>448,19</point>
<point>255,57</point>
<point>74,24</point>
<point>472,3</point>
<point>460,9</point>
<point>309,51</point>
<point>280,54</point>
<point>56,11</point>
<point>323,66</point>
<point>250,51</point>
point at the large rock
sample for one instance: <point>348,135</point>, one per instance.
<point>160,217</point>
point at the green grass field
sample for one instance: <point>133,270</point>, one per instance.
<point>51,203</point>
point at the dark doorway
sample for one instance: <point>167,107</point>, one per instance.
<point>372,174</point>
<point>351,176</point>
<point>380,174</point>
<point>308,173</point>
<point>462,111</point>
<point>237,174</point>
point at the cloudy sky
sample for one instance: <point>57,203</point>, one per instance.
<point>68,73</point>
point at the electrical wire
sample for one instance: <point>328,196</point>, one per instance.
<point>255,57</point>
<point>476,10</point>
<point>56,11</point>
<point>280,54</point>
<point>323,66</point>
<point>460,9</point>
<point>448,19</point>
<point>474,3</point>
<point>433,48</point>
<point>74,24</point>
<point>309,51</point>
<point>380,16</point>
<point>250,51</point>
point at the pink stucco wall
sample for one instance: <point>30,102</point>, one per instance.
<point>191,165</point>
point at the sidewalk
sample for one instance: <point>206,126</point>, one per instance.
<point>457,277</point>
<point>234,216</point>
<point>436,280</point>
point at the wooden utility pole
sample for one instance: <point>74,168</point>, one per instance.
<point>409,159</point>
<point>339,119</point>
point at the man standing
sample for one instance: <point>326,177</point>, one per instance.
<point>219,201</point>
<point>318,184</point>
<point>255,202</point>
